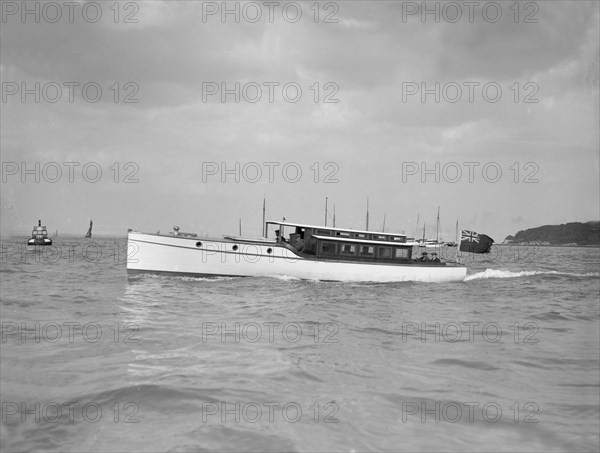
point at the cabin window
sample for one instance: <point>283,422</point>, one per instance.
<point>343,234</point>
<point>384,252</point>
<point>398,239</point>
<point>401,253</point>
<point>324,232</point>
<point>328,248</point>
<point>348,250</point>
<point>360,236</point>
<point>378,237</point>
<point>367,250</point>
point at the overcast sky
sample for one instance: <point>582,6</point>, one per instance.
<point>374,58</point>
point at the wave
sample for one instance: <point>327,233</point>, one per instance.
<point>496,273</point>
<point>188,278</point>
<point>477,365</point>
<point>285,278</point>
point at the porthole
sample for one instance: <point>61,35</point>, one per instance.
<point>269,250</point>
<point>235,247</point>
<point>198,244</point>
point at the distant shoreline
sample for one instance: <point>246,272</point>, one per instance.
<point>64,236</point>
<point>572,234</point>
<point>22,237</point>
<point>512,244</point>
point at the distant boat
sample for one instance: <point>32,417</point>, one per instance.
<point>432,243</point>
<point>424,243</point>
<point>89,232</point>
<point>39,235</point>
<point>429,244</point>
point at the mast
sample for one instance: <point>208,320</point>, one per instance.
<point>457,243</point>
<point>423,233</point>
<point>417,229</point>
<point>383,229</point>
<point>240,226</point>
<point>456,233</point>
<point>334,216</point>
<point>325,211</point>
<point>264,226</point>
<point>437,227</point>
<point>367,228</point>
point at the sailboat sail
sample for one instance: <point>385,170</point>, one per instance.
<point>89,232</point>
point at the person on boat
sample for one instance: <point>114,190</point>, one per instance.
<point>424,257</point>
<point>299,244</point>
<point>279,237</point>
<point>435,258</point>
<point>296,241</point>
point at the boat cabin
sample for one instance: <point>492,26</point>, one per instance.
<point>39,231</point>
<point>342,244</point>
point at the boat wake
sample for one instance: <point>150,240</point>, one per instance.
<point>285,278</point>
<point>496,273</point>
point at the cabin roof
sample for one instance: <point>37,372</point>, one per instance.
<point>361,241</point>
<point>301,225</point>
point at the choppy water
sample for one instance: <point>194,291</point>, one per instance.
<point>506,361</point>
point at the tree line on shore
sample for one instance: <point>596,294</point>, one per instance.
<point>575,233</point>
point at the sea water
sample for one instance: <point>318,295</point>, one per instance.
<point>92,360</point>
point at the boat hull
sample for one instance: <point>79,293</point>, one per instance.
<point>45,241</point>
<point>174,255</point>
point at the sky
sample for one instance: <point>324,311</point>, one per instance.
<point>150,114</point>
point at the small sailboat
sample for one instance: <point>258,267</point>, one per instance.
<point>89,232</point>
